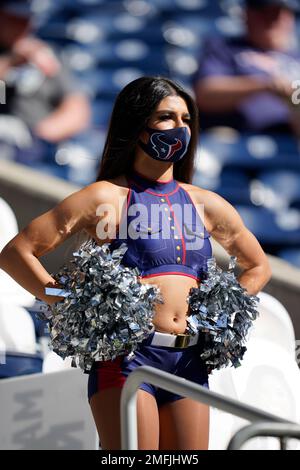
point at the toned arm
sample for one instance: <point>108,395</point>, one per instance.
<point>228,229</point>
<point>19,258</point>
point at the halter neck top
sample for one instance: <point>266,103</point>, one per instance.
<point>162,229</point>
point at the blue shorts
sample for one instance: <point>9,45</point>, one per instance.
<point>184,363</point>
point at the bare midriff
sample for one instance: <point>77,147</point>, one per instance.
<point>170,317</point>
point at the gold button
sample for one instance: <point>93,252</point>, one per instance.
<point>178,259</point>
<point>163,200</point>
<point>178,247</point>
<point>172,227</point>
<point>176,237</point>
<point>149,228</point>
<point>170,218</point>
<point>166,209</point>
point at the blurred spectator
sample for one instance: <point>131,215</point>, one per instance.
<point>42,101</point>
<point>247,82</point>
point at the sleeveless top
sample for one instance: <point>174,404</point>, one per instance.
<point>162,229</point>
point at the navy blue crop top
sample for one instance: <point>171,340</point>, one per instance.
<point>162,229</point>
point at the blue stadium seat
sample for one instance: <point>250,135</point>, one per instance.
<point>41,327</point>
<point>298,28</point>
<point>196,25</point>
<point>112,80</point>
<point>185,40</point>
<point>291,256</point>
<point>92,25</point>
<point>52,30</point>
<point>252,151</point>
<point>17,364</point>
<point>295,205</point>
<point>283,183</point>
<point>205,7</point>
<point>202,26</point>
<point>233,185</point>
<point>182,65</point>
<point>120,26</point>
<point>272,229</point>
<point>105,83</point>
<point>67,8</point>
<point>101,112</point>
<point>129,53</point>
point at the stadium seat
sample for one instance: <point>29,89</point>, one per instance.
<point>53,363</point>
<point>233,185</point>
<point>91,27</point>
<point>202,26</point>
<point>194,27</point>
<point>10,290</point>
<point>284,186</point>
<point>278,229</point>
<point>120,53</point>
<point>9,224</point>
<point>102,109</point>
<point>109,81</point>
<point>17,364</point>
<point>254,152</point>
<point>269,377</point>
<point>182,66</point>
<point>274,323</point>
<point>17,333</point>
<point>204,7</point>
<point>18,348</point>
<point>295,205</point>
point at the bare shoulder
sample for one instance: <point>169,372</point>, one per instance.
<point>219,214</point>
<point>107,190</point>
<point>84,205</point>
<point>203,199</point>
<point>105,200</point>
<point>193,190</point>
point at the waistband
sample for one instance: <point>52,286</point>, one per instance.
<point>180,341</point>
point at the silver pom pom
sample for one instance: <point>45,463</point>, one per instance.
<point>106,311</point>
<point>223,311</point>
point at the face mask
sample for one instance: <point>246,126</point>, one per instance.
<point>167,145</point>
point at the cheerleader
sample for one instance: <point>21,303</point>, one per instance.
<point>143,195</point>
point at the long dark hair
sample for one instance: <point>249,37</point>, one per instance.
<point>132,110</point>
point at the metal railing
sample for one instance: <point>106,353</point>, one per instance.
<point>187,389</point>
<point>280,430</point>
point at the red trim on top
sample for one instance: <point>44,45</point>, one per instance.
<point>194,206</point>
<point>171,272</point>
<point>155,194</point>
<point>178,228</point>
<point>128,197</point>
<point>127,205</point>
<point>153,181</point>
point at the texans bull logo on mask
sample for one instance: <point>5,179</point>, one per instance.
<point>162,148</point>
<point>168,145</point>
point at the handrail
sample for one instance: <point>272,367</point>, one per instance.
<point>182,387</point>
<point>263,429</point>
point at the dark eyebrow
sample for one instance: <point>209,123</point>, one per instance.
<point>170,111</point>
